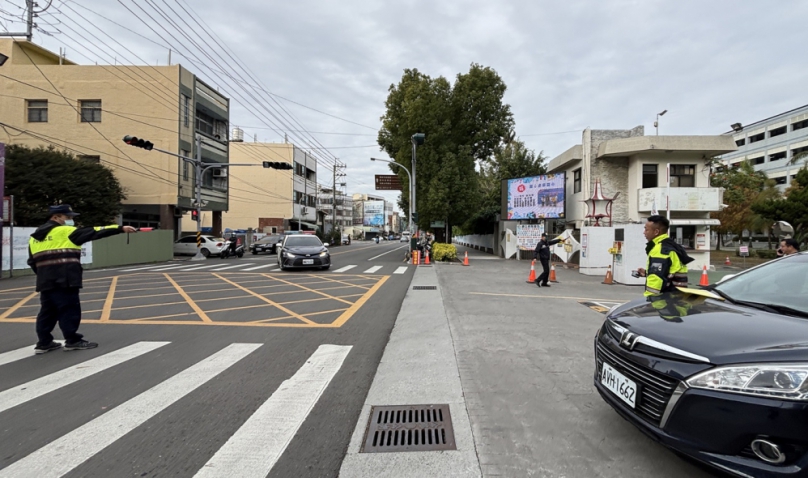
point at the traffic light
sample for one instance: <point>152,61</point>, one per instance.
<point>195,215</point>
<point>138,142</point>
<point>277,165</point>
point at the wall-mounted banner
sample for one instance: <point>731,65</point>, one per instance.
<point>537,197</point>
<point>374,213</point>
<point>528,235</point>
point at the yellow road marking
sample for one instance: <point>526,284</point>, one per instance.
<point>149,305</point>
<point>346,283</point>
<point>142,296</point>
<point>224,298</point>
<point>319,299</point>
<point>107,310</point>
<point>268,301</point>
<point>15,290</point>
<point>239,308</point>
<point>164,317</point>
<point>308,289</point>
<point>359,303</point>
<point>16,306</point>
<point>535,296</point>
<point>201,313</point>
<point>281,318</point>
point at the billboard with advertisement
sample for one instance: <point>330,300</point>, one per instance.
<point>536,197</point>
<point>374,214</point>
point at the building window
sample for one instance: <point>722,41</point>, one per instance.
<point>799,125</point>
<point>756,161</point>
<point>683,235</point>
<point>186,110</point>
<point>649,176</point>
<point>90,111</point>
<point>90,159</point>
<point>777,156</point>
<point>683,176</point>
<point>781,180</point>
<point>576,181</point>
<point>300,170</point>
<point>797,151</point>
<point>185,168</point>
<point>37,111</point>
<point>740,142</point>
<point>205,123</point>
<point>756,138</point>
<point>777,131</point>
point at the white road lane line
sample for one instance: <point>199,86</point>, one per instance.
<point>146,268</point>
<point>60,456</point>
<point>344,269</point>
<point>231,267</point>
<point>169,268</point>
<point>261,267</point>
<point>28,391</point>
<point>372,270</point>
<point>401,270</point>
<point>14,355</point>
<point>198,268</point>
<point>255,447</point>
<point>388,252</point>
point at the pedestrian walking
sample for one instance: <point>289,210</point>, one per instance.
<point>542,252</point>
<point>667,260</point>
<point>54,254</point>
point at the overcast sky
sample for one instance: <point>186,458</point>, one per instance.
<point>568,65</point>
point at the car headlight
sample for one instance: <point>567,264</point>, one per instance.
<point>789,381</point>
<point>289,255</point>
<point>324,253</point>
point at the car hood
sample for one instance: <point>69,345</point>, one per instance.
<point>303,250</point>
<point>701,324</point>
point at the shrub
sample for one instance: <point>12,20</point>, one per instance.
<point>444,252</point>
<point>766,253</point>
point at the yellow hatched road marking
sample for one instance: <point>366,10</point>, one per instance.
<point>308,289</point>
<point>16,306</point>
<point>346,283</point>
<point>359,303</point>
<point>201,313</point>
<point>107,310</point>
<point>268,301</point>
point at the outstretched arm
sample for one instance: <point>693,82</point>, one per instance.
<point>87,234</point>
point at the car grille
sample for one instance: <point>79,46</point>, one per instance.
<point>655,388</point>
<point>317,261</point>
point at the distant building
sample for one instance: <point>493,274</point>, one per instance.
<point>771,143</point>
<point>344,208</point>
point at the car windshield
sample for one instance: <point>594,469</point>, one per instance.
<point>303,241</point>
<point>781,285</point>
<point>268,240</point>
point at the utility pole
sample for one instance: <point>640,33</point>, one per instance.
<point>337,165</point>
<point>29,31</point>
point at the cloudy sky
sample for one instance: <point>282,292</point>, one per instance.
<point>568,65</point>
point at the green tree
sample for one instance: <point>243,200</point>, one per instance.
<point>793,208</point>
<point>464,124</point>
<point>742,186</point>
<point>43,177</point>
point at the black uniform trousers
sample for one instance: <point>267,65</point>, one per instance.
<point>545,274</point>
<point>60,306</point>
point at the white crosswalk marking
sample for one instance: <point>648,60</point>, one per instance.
<point>168,268</point>
<point>14,355</point>
<point>344,269</point>
<point>28,391</point>
<point>230,267</point>
<point>143,268</point>
<point>372,270</point>
<point>261,267</point>
<point>255,448</point>
<point>71,450</point>
<point>197,268</point>
<point>401,270</point>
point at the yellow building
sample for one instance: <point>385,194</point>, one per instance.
<point>46,99</point>
<point>271,200</point>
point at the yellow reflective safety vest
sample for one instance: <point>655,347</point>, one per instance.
<point>666,268</point>
<point>54,253</point>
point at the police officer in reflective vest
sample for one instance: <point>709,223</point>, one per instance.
<point>54,253</point>
<point>667,260</point>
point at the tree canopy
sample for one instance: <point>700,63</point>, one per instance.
<point>793,208</point>
<point>43,177</point>
<point>743,186</point>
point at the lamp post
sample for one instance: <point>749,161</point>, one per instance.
<point>656,123</point>
<point>412,187</point>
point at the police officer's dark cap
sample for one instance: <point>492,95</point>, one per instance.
<point>62,209</point>
<point>543,234</point>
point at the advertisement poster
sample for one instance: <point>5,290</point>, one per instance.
<point>528,235</point>
<point>21,236</point>
<point>537,197</point>
<point>374,214</point>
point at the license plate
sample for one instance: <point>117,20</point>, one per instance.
<point>307,262</point>
<point>619,384</point>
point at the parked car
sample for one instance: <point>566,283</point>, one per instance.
<point>211,246</point>
<point>404,239</point>
<point>300,251</point>
<point>346,239</point>
<point>720,374</point>
<point>266,244</point>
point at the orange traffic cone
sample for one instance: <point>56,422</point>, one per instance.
<point>608,279</point>
<point>704,279</point>
<point>532,277</point>
<point>466,259</point>
<point>552,273</point>
<point>727,262</point>
<point>426,257</point>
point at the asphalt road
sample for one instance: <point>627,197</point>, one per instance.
<point>201,372</point>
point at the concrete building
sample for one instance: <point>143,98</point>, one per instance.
<point>361,215</point>
<point>771,144</point>
<point>635,166</point>
<point>87,109</point>
<point>344,218</point>
<point>271,200</point>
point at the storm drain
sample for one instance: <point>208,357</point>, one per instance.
<point>424,287</point>
<point>409,428</point>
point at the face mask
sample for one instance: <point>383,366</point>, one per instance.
<point>69,222</point>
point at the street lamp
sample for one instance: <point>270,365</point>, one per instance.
<point>656,123</point>
<point>412,186</point>
<point>737,127</point>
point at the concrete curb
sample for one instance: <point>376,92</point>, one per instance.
<point>419,366</point>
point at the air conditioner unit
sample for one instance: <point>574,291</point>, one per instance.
<point>220,173</point>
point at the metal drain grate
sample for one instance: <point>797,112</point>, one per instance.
<point>409,428</point>
<point>424,287</point>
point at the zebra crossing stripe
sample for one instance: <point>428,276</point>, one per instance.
<point>142,268</point>
<point>195,268</point>
<point>261,267</point>
<point>28,391</point>
<point>230,267</point>
<point>255,447</point>
<point>14,355</point>
<point>168,268</point>
<point>372,270</point>
<point>401,270</point>
<point>71,450</point>
<point>346,268</point>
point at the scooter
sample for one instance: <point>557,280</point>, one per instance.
<point>229,251</point>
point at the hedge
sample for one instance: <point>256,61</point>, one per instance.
<point>444,252</point>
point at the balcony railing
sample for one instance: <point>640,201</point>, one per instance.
<point>681,199</point>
